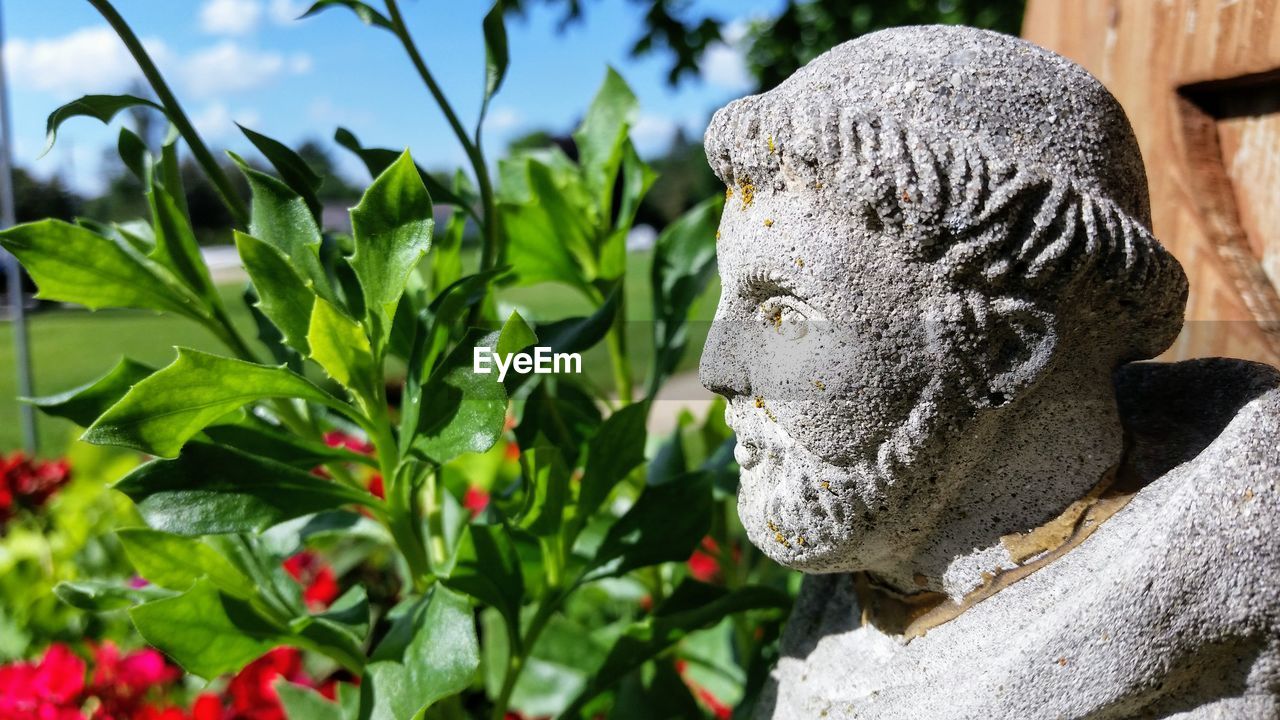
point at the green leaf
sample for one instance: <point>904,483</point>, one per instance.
<point>169,171</point>
<point>102,107</point>
<point>303,703</point>
<point>601,136</point>
<point>349,613</point>
<point>341,347</point>
<point>134,155</point>
<point>431,652</point>
<point>293,170</point>
<point>104,596</point>
<point>283,296</point>
<point>496,56</point>
<point>367,14</point>
<point>611,455</point>
<point>650,533</point>
<point>684,261</point>
<point>206,632</point>
<point>392,228</point>
<point>547,481</point>
<point>163,411</point>
<point>376,160</point>
<point>566,418</point>
<point>446,255</point>
<point>582,333</point>
<point>211,490</point>
<point>693,606</point>
<point>467,410</point>
<point>72,264</point>
<point>550,233</point>
<point>176,246</point>
<point>280,218</point>
<point>637,178</point>
<point>488,569</point>
<point>176,563</point>
<point>84,404</point>
<point>516,335</point>
<point>256,437</point>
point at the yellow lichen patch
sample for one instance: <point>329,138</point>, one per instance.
<point>800,262</point>
<point>1062,661</point>
<point>773,149</point>
<point>800,540</point>
<point>717,234</point>
<point>825,485</point>
<point>768,222</point>
<point>1248,494</point>
<point>779,538</point>
<point>819,384</point>
<point>772,527</point>
<point>818,185</point>
<point>748,193</point>
<point>728,193</point>
<point>759,402</point>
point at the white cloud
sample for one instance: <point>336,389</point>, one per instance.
<point>216,121</point>
<point>725,63</point>
<point>502,119</point>
<point>228,67</point>
<point>652,134</point>
<point>230,17</point>
<point>284,12</point>
<point>89,60</point>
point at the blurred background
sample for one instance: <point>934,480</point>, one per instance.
<point>252,62</point>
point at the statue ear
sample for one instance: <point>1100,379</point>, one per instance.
<point>1022,342</point>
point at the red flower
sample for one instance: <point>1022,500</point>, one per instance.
<point>376,487</point>
<point>512,452</point>
<point>252,692</point>
<point>337,438</point>
<point>476,500</point>
<point>49,690</point>
<point>27,483</point>
<point>704,563</point>
<point>319,583</point>
<point>207,707</point>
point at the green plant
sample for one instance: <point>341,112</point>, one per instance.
<point>539,600</point>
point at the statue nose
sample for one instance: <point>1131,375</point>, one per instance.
<point>721,369</point>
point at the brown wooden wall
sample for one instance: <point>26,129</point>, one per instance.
<point>1200,81</point>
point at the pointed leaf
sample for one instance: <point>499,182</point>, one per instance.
<point>210,490</point>
<point>340,346</point>
<point>488,569</point>
<point>496,57</point>
<point>611,455</point>
<point>84,404</point>
<point>102,107</point>
<point>283,296</point>
<point>206,632</point>
<point>602,133</point>
<point>104,596</point>
<point>547,482</point>
<point>176,563</point>
<point>166,409</point>
<point>376,160</point>
<point>72,264</point>
<point>176,246</point>
<point>392,228</point>
<point>367,14</point>
<point>650,533</point>
<point>293,170</point>
<point>280,218</point>
<point>467,409</point>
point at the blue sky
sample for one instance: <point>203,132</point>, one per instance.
<point>246,61</point>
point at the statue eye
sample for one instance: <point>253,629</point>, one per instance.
<point>786,316</point>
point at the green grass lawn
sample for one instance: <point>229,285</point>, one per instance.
<point>70,347</point>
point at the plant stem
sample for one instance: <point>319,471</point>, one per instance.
<point>616,341</point>
<point>516,659</point>
<point>492,254</point>
<point>174,110</point>
<point>435,521</point>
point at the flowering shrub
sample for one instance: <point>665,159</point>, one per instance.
<point>460,546</point>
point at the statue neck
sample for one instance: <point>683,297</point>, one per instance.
<point>1036,457</point>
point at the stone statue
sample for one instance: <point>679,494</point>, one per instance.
<point>937,275</point>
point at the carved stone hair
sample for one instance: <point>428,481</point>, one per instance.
<point>969,177</point>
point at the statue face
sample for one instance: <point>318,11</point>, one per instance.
<point>818,345</point>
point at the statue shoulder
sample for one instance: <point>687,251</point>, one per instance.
<point>1217,413</point>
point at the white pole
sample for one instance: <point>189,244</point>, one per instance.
<point>13,273</point>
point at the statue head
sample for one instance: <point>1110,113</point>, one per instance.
<point>925,229</point>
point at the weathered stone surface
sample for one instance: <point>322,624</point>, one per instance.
<point>937,273</point>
